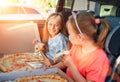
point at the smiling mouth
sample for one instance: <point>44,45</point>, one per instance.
<point>53,31</point>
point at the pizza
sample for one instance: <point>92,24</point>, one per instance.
<point>19,61</point>
<point>42,78</point>
<point>61,54</point>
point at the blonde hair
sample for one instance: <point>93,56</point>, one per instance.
<point>88,26</point>
<point>46,34</point>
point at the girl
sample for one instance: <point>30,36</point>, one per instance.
<point>54,36</point>
<point>87,61</point>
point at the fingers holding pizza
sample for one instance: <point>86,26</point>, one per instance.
<point>67,60</point>
<point>60,54</point>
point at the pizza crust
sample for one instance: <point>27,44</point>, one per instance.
<point>42,78</point>
<point>61,54</point>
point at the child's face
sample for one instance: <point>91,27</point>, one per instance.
<point>74,37</point>
<point>54,26</point>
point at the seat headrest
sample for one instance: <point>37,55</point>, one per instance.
<point>114,21</point>
<point>112,44</point>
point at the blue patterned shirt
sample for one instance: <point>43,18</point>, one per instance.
<point>57,44</point>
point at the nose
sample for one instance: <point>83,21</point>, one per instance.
<point>53,26</point>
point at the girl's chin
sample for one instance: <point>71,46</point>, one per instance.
<point>53,33</point>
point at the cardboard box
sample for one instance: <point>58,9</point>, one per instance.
<point>13,75</point>
<point>18,38</point>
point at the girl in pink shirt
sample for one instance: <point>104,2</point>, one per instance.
<point>87,61</point>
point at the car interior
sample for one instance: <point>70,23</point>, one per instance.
<point>109,10</point>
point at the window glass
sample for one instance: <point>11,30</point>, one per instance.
<point>68,4</point>
<point>44,6</point>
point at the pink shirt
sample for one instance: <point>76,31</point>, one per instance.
<point>93,66</point>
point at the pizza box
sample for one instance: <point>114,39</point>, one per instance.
<point>13,75</point>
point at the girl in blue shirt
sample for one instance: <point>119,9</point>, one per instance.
<point>55,36</point>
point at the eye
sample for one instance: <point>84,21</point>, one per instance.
<point>49,24</point>
<point>57,25</point>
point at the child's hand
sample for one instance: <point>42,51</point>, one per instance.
<point>35,41</point>
<point>60,54</point>
<point>67,60</point>
<point>47,62</point>
<point>39,47</point>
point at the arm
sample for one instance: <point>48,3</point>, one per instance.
<point>67,61</point>
<point>59,65</point>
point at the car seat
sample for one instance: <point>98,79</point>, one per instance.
<point>112,47</point>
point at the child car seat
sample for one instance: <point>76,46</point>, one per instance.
<point>112,47</point>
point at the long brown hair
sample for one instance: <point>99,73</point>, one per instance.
<point>88,26</point>
<point>46,34</point>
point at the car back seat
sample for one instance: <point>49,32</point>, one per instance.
<point>112,47</point>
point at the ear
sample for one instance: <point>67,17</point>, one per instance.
<point>82,37</point>
<point>85,37</point>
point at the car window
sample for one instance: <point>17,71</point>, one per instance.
<point>37,6</point>
<point>17,10</point>
<point>68,4</point>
